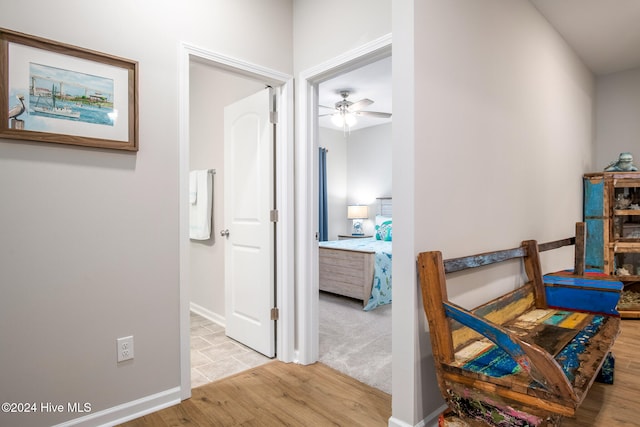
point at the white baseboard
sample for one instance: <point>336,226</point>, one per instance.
<point>430,420</point>
<point>394,422</point>
<point>127,411</point>
<point>208,314</point>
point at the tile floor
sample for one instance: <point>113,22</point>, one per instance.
<point>214,355</point>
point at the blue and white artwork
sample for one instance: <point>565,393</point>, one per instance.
<point>69,95</point>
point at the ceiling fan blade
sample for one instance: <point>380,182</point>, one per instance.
<point>324,106</point>
<point>373,114</point>
<point>357,106</point>
<point>325,115</point>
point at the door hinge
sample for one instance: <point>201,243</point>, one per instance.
<point>273,105</point>
<point>275,313</point>
<point>274,215</point>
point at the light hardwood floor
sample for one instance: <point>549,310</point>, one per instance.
<point>279,394</point>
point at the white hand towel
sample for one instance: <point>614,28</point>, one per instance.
<point>193,187</point>
<point>200,211</point>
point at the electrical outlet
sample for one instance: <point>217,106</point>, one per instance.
<point>125,348</point>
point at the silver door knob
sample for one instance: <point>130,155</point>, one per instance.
<point>224,233</point>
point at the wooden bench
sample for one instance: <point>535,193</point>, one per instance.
<point>529,357</point>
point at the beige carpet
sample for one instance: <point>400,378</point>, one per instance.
<point>356,342</point>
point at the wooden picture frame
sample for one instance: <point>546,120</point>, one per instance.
<point>57,93</point>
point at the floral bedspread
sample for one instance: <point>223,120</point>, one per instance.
<point>381,289</point>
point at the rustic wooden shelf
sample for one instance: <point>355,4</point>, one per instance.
<point>605,251</point>
<point>630,314</point>
<point>630,278</point>
<point>621,212</point>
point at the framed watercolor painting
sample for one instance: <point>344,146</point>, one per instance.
<point>54,92</point>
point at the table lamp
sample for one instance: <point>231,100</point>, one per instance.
<point>357,213</point>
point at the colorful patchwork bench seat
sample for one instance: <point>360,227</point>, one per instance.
<point>529,357</point>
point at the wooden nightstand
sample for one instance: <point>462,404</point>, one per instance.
<point>351,236</point>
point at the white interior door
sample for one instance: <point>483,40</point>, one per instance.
<point>249,243</point>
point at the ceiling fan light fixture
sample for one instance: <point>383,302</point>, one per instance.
<point>343,119</point>
<point>350,119</point>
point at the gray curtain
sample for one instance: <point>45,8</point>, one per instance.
<point>323,219</point>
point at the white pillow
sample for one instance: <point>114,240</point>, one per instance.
<point>380,219</point>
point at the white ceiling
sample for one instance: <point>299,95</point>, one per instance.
<point>372,81</point>
<point>605,34</point>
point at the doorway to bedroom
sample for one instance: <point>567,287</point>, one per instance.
<point>354,137</point>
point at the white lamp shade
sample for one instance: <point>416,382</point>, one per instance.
<point>357,212</point>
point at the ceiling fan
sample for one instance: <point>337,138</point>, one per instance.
<point>344,113</point>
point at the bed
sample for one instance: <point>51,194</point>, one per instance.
<point>360,268</point>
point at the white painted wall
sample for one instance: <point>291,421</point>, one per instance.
<point>328,28</point>
<point>493,129</point>
<point>618,109</point>
<point>211,89</point>
<point>90,237</point>
<point>369,169</point>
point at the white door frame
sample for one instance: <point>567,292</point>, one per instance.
<point>307,185</point>
<point>285,292</point>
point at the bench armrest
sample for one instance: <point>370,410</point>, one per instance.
<point>588,293</point>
